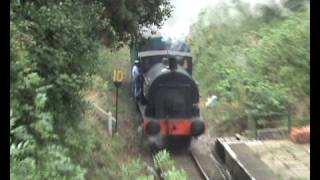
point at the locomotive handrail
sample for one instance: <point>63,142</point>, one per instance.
<point>163,52</point>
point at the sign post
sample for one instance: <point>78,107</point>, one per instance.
<point>117,80</point>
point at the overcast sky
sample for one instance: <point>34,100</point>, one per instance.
<point>184,14</point>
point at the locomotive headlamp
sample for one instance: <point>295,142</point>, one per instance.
<point>197,128</point>
<point>153,128</point>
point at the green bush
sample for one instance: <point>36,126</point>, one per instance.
<point>257,66</point>
<point>136,169</point>
<point>53,53</point>
<point>163,161</point>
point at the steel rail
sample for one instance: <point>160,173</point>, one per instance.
<point>203,173</point>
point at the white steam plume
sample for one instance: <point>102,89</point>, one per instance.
<point>186,13</point>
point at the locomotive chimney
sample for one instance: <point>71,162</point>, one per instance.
<point>172,63</point>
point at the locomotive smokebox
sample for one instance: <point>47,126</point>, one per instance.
<point>172,63</point>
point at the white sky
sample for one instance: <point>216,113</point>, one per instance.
<point>184,14</point>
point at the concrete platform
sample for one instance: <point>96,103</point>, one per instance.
<point>286,159</point>
<point>267,159</point>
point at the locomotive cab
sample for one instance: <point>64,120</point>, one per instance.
<point>156,50</point>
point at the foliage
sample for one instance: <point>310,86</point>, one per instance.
<point>128,17</point>
<point>163,161</point>
<point>137,169</point>
<point>53,53</point>
<point>248,61</point>
<point>110,60</point>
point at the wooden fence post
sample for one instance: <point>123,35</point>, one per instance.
<point>255,129</point>
<point>289,120</point>
<point>254,125</point>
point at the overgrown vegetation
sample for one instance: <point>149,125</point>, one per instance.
<point>168,167</point>
<point>256,65</point>
<point>164,166</point>
<point>53,53</point>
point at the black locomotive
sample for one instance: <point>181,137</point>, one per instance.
<point>169,97</point>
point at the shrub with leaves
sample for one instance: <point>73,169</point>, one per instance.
<point>163,162</point>
<point>138,170</point>
<point>53,53</point>
<point>256,65</point>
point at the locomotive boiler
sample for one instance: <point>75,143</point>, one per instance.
<point>169,96</point>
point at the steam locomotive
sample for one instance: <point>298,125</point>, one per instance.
<point>168,102</point>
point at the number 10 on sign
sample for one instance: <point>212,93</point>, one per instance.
<point>117,76</point>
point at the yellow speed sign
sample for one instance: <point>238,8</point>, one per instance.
<point>118,75</point>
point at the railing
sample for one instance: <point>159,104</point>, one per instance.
<point>254,121</point>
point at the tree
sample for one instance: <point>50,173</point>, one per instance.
<point>53,53</point>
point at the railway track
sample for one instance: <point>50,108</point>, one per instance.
<point>196,160</point>
<point>191,164</point>
<point>184,158</point>
<point>187,160</point>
